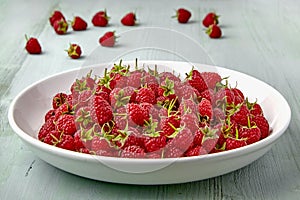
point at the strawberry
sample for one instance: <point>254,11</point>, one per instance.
<point>101,111</point>
<point>183,15</point>
<point>100,19</point>
<point>214,31</point>
<point>32,45</point>
<point>66,124</point>
<point>74,51</point>
<point>145,95</point>
<point>56,15</point>
<point>60,26</point>
<point>78,24</point>
<point>108,39</point>
<point>129,19</point>
<point>210,19</point>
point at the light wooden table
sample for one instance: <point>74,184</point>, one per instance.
<point>261,38</point>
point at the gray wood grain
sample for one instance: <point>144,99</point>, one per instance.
<point>261,38</point>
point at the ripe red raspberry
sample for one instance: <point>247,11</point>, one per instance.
<point>136,114</point>
<point>66,124</point>
<point>211,79</point>
<point>133,152</point>
<point>250,134</point>
<point>183,139</point>
<point>134,137</point>
<point>173,152</point>
<point>195,79</point>
<point>50,113</point>
<point>59,99</point>
<point>262,123</point>
<point>205,110</point>
<point>188,106</point>
<point>135,79</point>
<point>169,124</point>
<point>241,116</point>
<point>46,128</point>
<point>100,144</point>
<point>101,111</point>
<point>189,121</point>
<point>195,151</point>
<point>145,95</point>
<point>232,143</point>
<point>53,137</point>
<point>155,143</point>
<point>66,142</point>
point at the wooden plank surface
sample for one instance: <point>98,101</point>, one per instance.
<point>261,38</point>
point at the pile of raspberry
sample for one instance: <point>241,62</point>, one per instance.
<point>144,113</point>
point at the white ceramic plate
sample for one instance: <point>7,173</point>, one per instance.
<point>27,110</point>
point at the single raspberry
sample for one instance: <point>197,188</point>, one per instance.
<point>66,124</point>
<point>133,152</point>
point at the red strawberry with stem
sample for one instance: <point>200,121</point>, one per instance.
<point>129,19</point>
<point>100,19</point>
<point>32,45</point>
<point>56,15</point>
<point>214,31</point>
<point>183,15</point>
<point>60,26</point>
<point>74,51</point>
<point>78,24</point>
<point>108,39</point>
<point>209,19</point>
